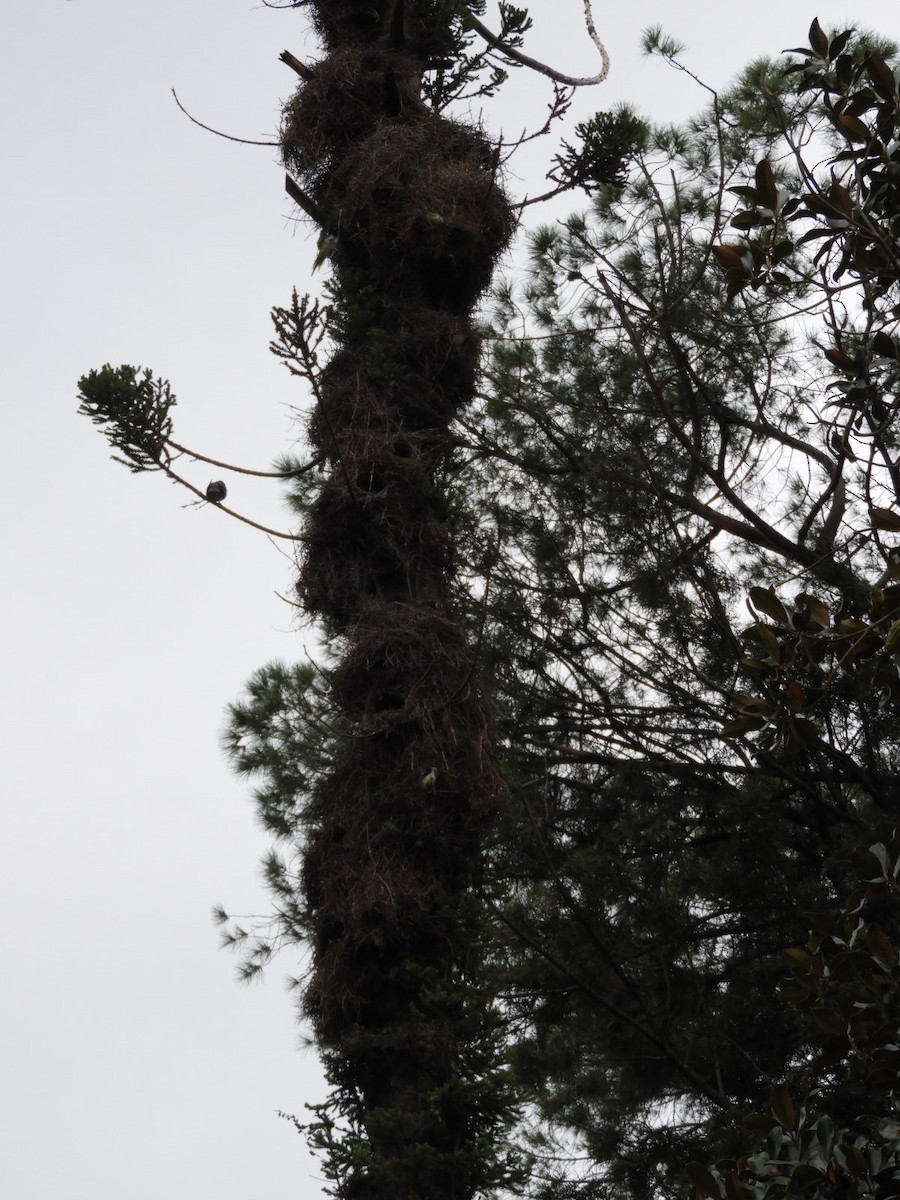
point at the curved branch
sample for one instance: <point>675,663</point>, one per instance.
<point>525,61</point>
<point>289,537</point>
<point>228,137</point>
<point>215,462</point>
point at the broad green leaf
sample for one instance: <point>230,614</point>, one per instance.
<point>765,601</point>
<point>783,1106</point>
<point>703,1180</point>
<point>887,519</point>
<point>817,39</point>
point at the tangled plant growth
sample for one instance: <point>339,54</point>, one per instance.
<point>845,980</point>
<point>653,446</point>
<point>684,406</point>
<point>413,217</point>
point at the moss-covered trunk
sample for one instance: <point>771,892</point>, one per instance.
<point>415,217</point>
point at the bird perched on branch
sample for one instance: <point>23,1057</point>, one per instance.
<point>325,248</point>
<point>428,782</point>
<point>216,492</point>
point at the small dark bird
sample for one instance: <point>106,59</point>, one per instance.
<point>216,492</point>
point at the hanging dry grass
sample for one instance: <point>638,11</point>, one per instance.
<point>332,109</point>
<point>420,203</point>
<point>349,20</point>
<point>363,545</point>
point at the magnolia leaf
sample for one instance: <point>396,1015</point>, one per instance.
<point>783,1106</point>
<point>705,1183</point>
<point>766,186</point>
<point>757,1123</point>
<point>753,706</point>
<point>830,1022</point>
<point>769,643</point>
<point>746,193</point>
<point>734,1189</point>
<point>798,958</point>
<point>765,601</point>
<point>803,732</point>
<point>741,725</point>
<point>884,345</point>
<point>881,75</point>
<point>817,39</point>
<point>845,69</point>
<point>732,258</point>
<point>838,43</point>
<point>792,993</point>
<point>841,199</point>
<point>842,361</point>
<point>856,1160</point>
<point>851,127</point>
<point>885,518</point>
<point>866,863</point>
<point>821,206</point>
<point>746,220</point>
<point>813,610</point>
<point>881,946</point>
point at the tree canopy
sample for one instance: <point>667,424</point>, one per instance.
<point>686,408</point>
<point>612,591</point>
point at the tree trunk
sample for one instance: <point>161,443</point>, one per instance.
<point>414,217</point>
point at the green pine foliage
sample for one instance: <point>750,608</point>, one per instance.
<point>673,512</point>
<point>132,409</point>
<point>670,522</point>
<point>661,439</point>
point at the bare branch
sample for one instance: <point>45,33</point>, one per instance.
<point>214,462</point>
<point>303,201</point>
<point>228,137</point>
<point>296,65</point>
<point>542,68</point>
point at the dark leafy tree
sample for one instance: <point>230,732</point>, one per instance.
<point>395,795</point>
<point>662,437</point>
<point>688,406</point>
<point>845,981</point>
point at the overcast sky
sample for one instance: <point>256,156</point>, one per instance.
<point>132,1066</point>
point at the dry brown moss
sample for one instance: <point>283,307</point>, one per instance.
<point>349,20</point>
<point>419,218</point>
<point>421,204</point>
<point>361,545</point>
<point>404,663</point>
<point>432,369</point>
<point>346,92</point>
<point>388,862</point>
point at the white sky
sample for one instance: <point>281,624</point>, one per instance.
<point>132,1065</point>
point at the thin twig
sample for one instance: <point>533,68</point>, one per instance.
<point>290,537</point>
<point>228,137</point>
<point>214,462</point>
<point>542,68</point>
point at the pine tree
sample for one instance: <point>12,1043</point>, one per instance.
<point>686,414</point>
<point>654,447</point>
<point>661,442</point>
<point>413,216</point>
<point>402,791</point>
